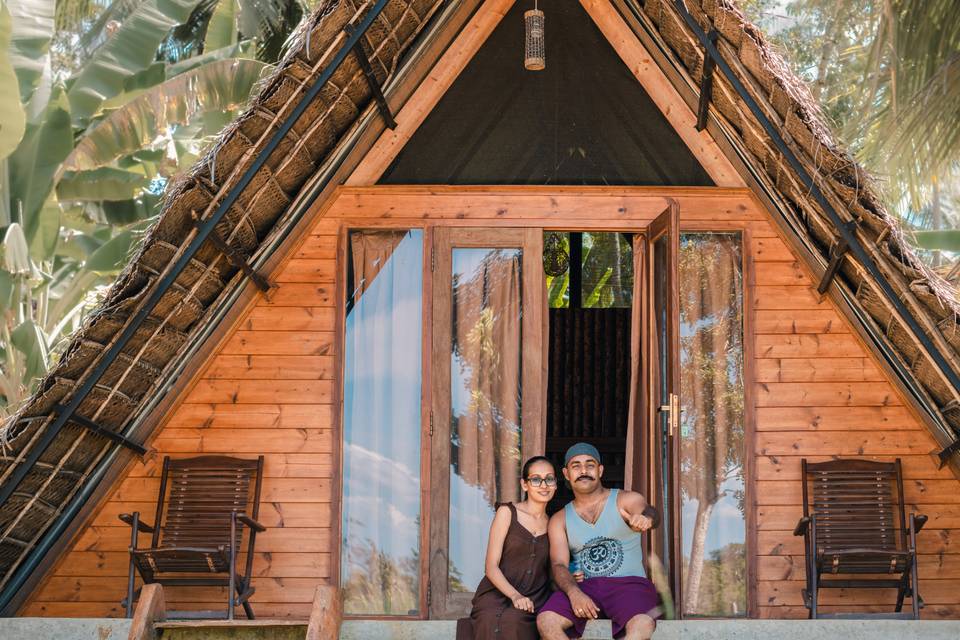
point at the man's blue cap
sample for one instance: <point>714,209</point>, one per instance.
<point>581,449</point>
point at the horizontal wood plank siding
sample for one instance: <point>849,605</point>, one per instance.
<point>817,394</point>
<point>820,395</point>
<point>267,390</point>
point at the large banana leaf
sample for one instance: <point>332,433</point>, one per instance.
<point>112,255</point>
<point>216,86</point>
<point>12,118</point>
<point>157,73</point>
<point>947,240</point>
<point>222,28</point>
<point>45,230</point>
<point>105,183</point>
<point>35,163</point>
<point>30,45</point>
<point>128,51</point>
<point>30,340</point>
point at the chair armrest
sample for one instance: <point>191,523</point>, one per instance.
<point>142,526</point>
<point>802,526</point>
<point>918,521</point>
<point>250,522</point>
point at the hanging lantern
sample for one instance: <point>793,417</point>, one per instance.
<point>556,260</point>
<point>535,51</point>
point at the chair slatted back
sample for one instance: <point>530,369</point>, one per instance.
<point>201,493</point>
<point>858,504</point>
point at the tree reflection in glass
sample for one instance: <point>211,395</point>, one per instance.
<point>380,570</point>
<point>712,424</point>
<point>485,366</point>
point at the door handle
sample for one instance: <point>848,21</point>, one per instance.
<point>673,413</point>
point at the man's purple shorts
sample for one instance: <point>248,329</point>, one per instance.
<point>619,599</point>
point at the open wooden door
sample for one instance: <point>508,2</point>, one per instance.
<point>486,410</point>
<point>655,405</point>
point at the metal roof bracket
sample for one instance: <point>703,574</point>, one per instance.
<point>136,447</point>
<point>375,89</point>
<point>706,82</point>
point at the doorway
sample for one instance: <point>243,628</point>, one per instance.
<point>590,281</point>
<point>531,355</point>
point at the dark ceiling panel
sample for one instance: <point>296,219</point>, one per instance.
<point>583,120</point>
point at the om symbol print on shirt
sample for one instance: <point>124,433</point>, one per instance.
<point>601,557</point>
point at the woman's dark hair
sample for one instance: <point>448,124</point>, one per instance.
<point>525,474</point>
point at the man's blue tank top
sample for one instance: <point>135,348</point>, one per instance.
<point>608,548</point>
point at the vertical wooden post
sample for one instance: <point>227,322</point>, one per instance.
<point>326,615</point>
<point>151,608</point>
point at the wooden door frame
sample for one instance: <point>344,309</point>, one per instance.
<point>627,209</point>
<point>533,432</point>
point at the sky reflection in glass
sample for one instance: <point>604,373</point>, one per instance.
<point>381,433</point>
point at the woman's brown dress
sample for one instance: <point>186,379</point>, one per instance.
<point>525,562</point>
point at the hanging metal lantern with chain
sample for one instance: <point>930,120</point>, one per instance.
<point>556,259</point>
<point>535,54</point>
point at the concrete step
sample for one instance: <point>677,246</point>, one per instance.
<point>693,630</point>
<point>118,629</point>
<point>64,628</point>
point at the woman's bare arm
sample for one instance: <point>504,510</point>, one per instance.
<point>498,534</point>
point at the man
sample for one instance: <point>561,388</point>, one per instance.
<point>601,528</point>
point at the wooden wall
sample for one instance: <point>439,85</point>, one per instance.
<point>267,390</point>
<point>817,393</point>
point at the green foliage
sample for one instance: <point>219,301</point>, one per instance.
<point>948,240</point>
<point>887,73</point>
<point>12,117</point>
<point>132,48</point>
<point>102,102</point>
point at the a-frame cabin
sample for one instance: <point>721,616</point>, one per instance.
<point>652,244</point>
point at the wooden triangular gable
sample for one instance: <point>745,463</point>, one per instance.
<point>582,120</point>
<point>463,49</point>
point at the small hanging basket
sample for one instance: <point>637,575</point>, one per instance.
<point>535,50</point>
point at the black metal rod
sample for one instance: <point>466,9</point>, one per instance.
<point>14,583</point>
<point>944,454</point>
<point>575,267</point>
<point>836,259</point>
<point>855,246</point>
<point>706,85</point>
<point>106,433</point>
<point>375,89</point>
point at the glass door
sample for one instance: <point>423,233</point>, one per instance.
<point>657,433</point>
<point>486,410</point>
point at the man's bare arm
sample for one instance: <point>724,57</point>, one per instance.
<point>582,605</point>
<point>631,506</point>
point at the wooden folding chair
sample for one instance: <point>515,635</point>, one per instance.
<point>854,525</point>
<point>203,506</point>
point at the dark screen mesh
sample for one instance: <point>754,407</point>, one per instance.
<point>583,120</point>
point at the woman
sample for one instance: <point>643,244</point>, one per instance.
<point>517,581</point>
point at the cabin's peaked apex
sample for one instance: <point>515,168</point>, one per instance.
<point>624,42</point>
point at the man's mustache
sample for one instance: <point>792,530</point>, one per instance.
<point>585,477</point>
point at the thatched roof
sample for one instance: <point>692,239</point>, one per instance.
<point>143,370</point>
<point>143,367</point>
<point>787,103</point>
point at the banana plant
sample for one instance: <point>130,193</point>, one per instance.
<point>88,144</point>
